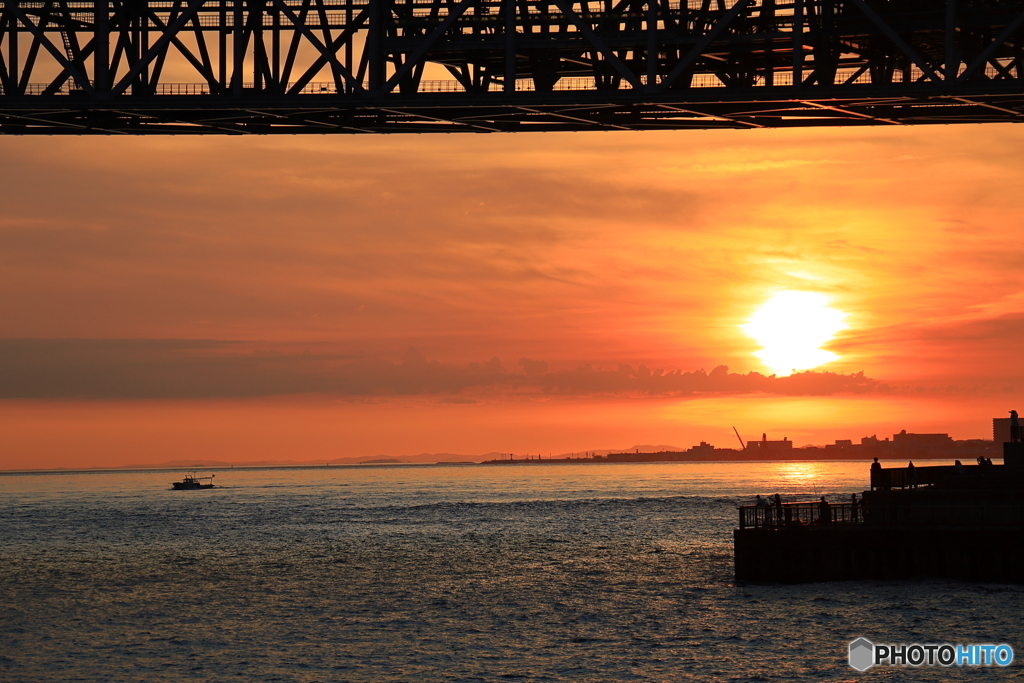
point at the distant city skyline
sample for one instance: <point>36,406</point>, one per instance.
<point>901,446</point>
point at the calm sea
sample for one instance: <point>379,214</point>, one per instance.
<point>599,572</point>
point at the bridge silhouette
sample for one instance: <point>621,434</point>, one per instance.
<point>396,66</point>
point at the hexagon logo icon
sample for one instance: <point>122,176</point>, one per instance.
<point>862,654</point>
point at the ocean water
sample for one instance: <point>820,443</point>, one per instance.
<point>590,572</point>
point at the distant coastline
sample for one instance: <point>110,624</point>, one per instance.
<point>902,446</point>
<point>413,465</point>
<point>735,455</point>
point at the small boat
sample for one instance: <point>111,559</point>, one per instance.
<point>190,482</point>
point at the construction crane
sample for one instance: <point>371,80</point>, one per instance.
<point>743,445</point>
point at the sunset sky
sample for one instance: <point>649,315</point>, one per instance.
<point>305,298</point>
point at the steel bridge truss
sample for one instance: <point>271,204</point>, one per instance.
<point>383,66</point>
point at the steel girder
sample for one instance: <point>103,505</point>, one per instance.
<point>383,66</point>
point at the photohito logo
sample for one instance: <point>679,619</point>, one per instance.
<point>864,654</point>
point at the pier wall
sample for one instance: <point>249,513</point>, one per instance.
<point>839,553</point>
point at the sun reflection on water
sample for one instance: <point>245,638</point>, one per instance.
<point>806,477</point>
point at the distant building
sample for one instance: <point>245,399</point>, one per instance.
<point>1001,429</point>
<point>919,442</point>
<point>764,447</point>
<point>844,446</point>
<point>703,449</point>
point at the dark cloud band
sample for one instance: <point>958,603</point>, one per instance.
<point>186,369</point>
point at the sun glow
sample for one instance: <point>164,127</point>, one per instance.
<point>792,327</point>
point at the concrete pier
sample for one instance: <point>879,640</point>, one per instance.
<point>841,554</point>
<point>961,525</point>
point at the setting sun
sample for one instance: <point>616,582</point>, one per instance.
<point>792,327</point>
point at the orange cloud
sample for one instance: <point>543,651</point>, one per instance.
<point>603,249</point>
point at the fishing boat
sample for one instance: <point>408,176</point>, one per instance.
<point>190,482</point>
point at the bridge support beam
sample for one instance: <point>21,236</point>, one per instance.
<point>382,66</point>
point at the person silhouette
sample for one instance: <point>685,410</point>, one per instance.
<point>762,515</point>
<point>824,512</point>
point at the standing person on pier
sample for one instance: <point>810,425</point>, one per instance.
<point>824,512</point>
<point>876,474</point>
<point>764,516</point>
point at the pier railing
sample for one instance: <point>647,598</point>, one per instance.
<point>799,514</point>
<point>813,515</point>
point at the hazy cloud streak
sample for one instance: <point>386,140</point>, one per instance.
<point>188,369</point>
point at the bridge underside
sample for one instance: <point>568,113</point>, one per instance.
<point>397,66</point>
<point>189,115</point>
